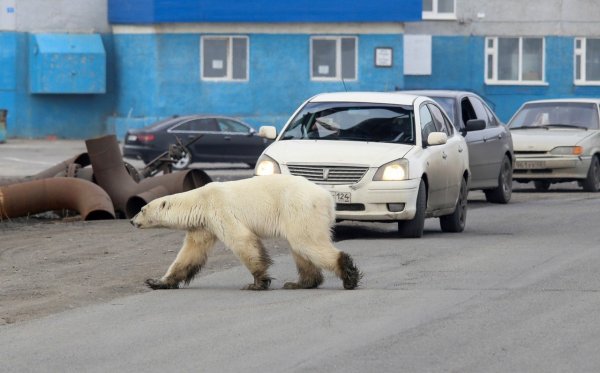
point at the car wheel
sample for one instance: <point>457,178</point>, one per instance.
<point>592,181</point>
<point>414,228</point>
<point>503,192</point>
<point>541,185</point>
<point>456,221</point>
<point>184,162</point>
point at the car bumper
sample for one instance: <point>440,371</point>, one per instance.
<point>376,200</point>
<point>533,168</point>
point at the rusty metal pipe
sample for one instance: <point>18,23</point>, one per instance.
<point>64,168</point>
<point>36,196</point>
<point>111,175</point>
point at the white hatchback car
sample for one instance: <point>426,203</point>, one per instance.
<point>383,156</point>
<point>557,141</point>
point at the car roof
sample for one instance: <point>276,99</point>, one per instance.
<point>392,98</point>
<point>565,100</point>
<point>438,92</point>
<point>180,118</point>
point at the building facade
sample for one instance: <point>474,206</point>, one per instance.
<point>79,69</point>
<point>508,51</point>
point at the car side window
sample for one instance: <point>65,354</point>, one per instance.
<point>480,111</point>
<point>203,125</point>
<point>467,110</point>
<point>228,125</point>
<point>427,123</point>
<point>441,123</point>
<point>493,122</point>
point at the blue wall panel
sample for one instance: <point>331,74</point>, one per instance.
<point>161,11</point>
<point>159,76</point>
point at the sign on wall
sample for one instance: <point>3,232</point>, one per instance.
<point>7,15</point>
<point>417,54</point>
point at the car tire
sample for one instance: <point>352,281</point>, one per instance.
<point>541,185</point>
<point>503,192</point>
<point>414,228</point>
<point>456,221</point>
<point>184,162</point>
<point>592,181</point>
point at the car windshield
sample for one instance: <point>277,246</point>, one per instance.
<point>557,114</point>
<point>353,122</point>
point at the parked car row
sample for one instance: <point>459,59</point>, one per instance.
<point>399,156</point>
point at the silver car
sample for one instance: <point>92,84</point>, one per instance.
<point>491,155</point>
<point>557,141</point>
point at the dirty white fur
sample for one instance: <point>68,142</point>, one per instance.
<point>240,213</point>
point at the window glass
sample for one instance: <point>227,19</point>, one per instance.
<point>428,5</point>
<point>333,58</point>
<point>349,58</point>
<point>438,118</point>
<point>214,54</point>
<point>532,59</point>
<point>224,58</point>
<point>508,59</point>
<point>445,6</point>
<point>468,112</point>
<point>480,112</point>
<point>575,114</point>
<point>240,58</point>
<point>196,125</point>
<point>228,125</point>
<point>592,60</point>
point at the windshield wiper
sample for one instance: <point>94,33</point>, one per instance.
<point>565,126</point>
<point>526,127</point>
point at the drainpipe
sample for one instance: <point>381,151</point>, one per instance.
<point>112,176</point>
<point>36,196</point>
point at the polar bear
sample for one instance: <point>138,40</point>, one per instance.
<point>239,213</point>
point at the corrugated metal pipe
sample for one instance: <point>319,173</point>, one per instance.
<point>112,176</point>
<point>36,196</point>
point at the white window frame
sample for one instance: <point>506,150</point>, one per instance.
<point>338,58</point>
<point>229,75</point>
<point>492,50</point>
<point>581,52</point>
<point>435,14</point>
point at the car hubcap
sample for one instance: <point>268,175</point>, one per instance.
<point>507,175</point>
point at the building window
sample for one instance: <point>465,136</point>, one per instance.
<point>514,60</point>
<point>587,61</point>
<point>224,58</point>
<point>333,58</point>
<point>439,9</point>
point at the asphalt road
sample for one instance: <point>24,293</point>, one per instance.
<point>518,291</point>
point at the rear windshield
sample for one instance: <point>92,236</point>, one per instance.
<point>353,122</point>
<point>561,114</point>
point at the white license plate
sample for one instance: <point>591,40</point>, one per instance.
<point>342,197</point>
<point>131,138</point>
<point>528,165</point>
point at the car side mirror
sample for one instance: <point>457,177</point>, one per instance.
<point>437,138</point>
<point>267,132</point>
<point>251,132</point>
<point>475,125</point>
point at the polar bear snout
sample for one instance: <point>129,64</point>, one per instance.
<point>135,221</point>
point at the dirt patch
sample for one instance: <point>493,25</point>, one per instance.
<point>48,265</point>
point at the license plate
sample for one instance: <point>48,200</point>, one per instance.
<point>528,165</point>
<point>131,138</point>
<point>342,197</point>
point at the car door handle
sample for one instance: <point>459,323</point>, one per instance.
<point>227,138</point>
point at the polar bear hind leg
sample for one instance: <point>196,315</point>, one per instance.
<point>310,276</point>
<point>190,259</point>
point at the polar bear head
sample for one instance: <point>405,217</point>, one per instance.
<point>165,212</point>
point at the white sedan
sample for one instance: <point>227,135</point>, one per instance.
<point>557,141</point>
<point>383,156</point>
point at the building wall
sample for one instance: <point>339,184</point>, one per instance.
<point>457,48</point>
<point>159,74</point>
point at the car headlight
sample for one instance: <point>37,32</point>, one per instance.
<point>392,171</point>
<point>266,166</point>
<point>567,150</point>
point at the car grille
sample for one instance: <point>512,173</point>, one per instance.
<point>329,174</point>
<point>350,207</point>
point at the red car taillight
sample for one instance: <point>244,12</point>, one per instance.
<point>145,137</point>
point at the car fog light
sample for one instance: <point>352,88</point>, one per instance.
<point>395,207</point>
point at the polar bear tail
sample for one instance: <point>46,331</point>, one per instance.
<point>349,274</point>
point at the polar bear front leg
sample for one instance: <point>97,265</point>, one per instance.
<point>250,250</point>
<point>190,259</point>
